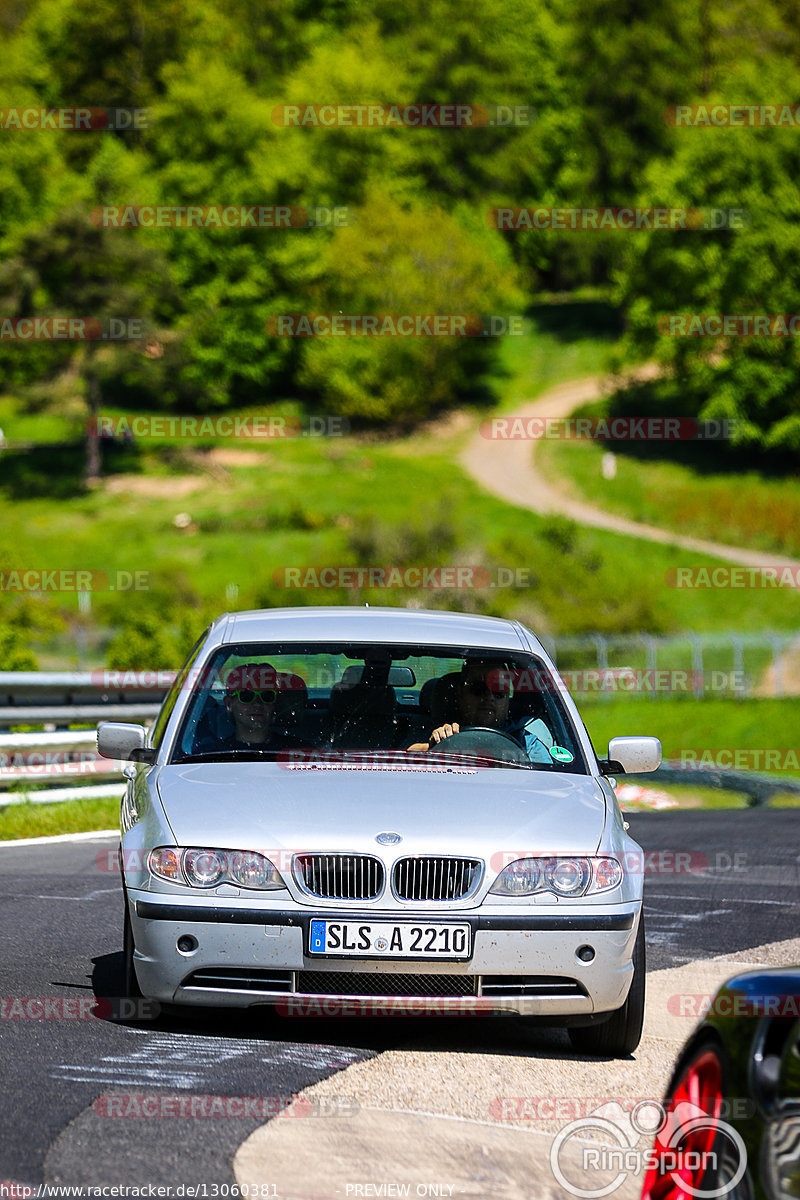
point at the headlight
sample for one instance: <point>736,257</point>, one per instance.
<point>165,862</point>
<point>568,876</point>
<point>206,868</point>
<point>520,878</point>
<point>252,870</point>
<point>607,874</point>
<point>562,876</point>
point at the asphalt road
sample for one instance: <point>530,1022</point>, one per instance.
<point>716,883</point>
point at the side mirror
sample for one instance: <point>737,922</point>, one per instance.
<point>631,756</point>
<point>123,742</point>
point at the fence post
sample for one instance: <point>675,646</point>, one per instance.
<point>651,658</point>
<point>738,665</point>
<point>697,665</point>
<point>777,666</point>
<point>601,645</point>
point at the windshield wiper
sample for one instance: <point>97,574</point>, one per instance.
<point>252,755</point>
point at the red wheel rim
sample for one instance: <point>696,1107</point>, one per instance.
<point>699,1086</point>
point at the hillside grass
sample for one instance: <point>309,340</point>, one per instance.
<point>685,725</point>
<point>689,489</point>
<point>213,526</point>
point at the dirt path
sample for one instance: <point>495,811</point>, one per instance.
<point>509,470</point>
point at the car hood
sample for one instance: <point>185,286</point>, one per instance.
<point>263,806</point>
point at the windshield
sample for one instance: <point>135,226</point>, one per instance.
<point>345,702</point>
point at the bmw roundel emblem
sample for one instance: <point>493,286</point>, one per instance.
<point>388,839</point>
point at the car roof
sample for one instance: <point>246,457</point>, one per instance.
<point>330,623</point>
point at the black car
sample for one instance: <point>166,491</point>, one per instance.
<point>732,1109</point>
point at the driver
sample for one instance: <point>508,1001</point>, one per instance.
<point>483,694</point>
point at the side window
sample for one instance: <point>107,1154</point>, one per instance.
<point>165,712</point>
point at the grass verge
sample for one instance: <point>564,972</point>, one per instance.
<point>704,497</point>
<point>26,820</point>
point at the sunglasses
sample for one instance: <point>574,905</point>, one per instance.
<point>478,687</point>
<point>247,695</point>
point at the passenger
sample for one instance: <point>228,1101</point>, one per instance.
<point>483,695</point>
<point>251,692</point>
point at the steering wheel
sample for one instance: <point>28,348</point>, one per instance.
<point>483,741</point>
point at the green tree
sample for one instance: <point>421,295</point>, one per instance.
<point>397,261</point>
<point>748,270</point>
<point>72,268</point>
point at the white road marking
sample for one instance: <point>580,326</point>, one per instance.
<point>93,835</point>
<point>728,900</point>
<point>182,1060</point>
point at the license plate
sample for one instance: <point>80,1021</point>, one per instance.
<point>385,939</point>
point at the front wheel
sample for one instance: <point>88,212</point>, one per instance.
<point>130,983</point>
<point>621,1033</point>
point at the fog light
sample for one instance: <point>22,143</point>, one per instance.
<point>585,953</point>
<point>187,943</point>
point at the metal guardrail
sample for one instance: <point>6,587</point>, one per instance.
<point>759,789</point>
<point>58,699</point>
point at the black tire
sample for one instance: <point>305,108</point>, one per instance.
<point>621,1033</point>
<point>724,1154</point>
<point>130,983</point>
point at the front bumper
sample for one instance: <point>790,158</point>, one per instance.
<point>522,963</point>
